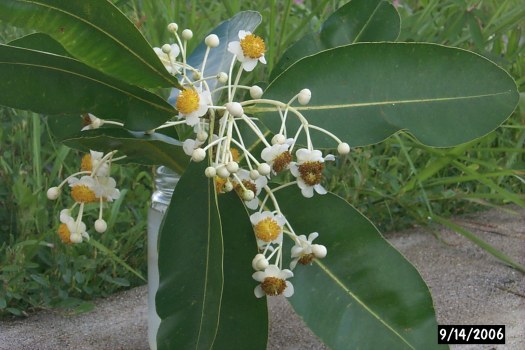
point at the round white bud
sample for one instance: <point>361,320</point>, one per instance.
<point>173,27</point>
<point>259,262</point>
<point>304,96</point>
<point>319,250</point>
<point>210,172</point>
<point>232,167</point>
<point>343,148</point>
<point>212,41</point>
<point>222,77</point>
<point>256,92</point>
<point>278,139</point>
<point>197,75</point>
<point>235,109</point>
<point>254,174</point>
<point>53,193</point>
<point>198,155</point>
<point>248,195</point>
<point>101,226</point>
<point>264,169</point>
<point>187,34</point>
<point>222,172</point>
<point>228,187</point>
<point>202,136</point>
<point>166,48</point>
<point>75,237</point>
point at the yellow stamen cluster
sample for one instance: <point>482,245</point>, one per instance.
<point>188,101</point>
<point>64,234</point>
<point>86,164</point>
<point>219,184</point>
<point>83,194</point>
<point>311,172</point>
<point>306,259</point>
<point>235,154</point>
<point>282,161</point>
<point>253,46</point>
<point>273,286</point>
<point>249,185</point>
<point>267,230</point>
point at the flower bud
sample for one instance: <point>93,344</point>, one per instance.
<point>212,41</point>
<point>197,75</point>
<point>248,195</point>
<point>202,136</point>
<point>343,148</point>
<point>259,262</point>
<point>304,96</point>
<point>232,167</point>
<point>173,27</point>
<point>278,139</point>
<point>254,174</point>
<point>166,48</point>
<point>187,34</point>
<point>198,155</point>
<point>210,172</point>
<point>264,169</point>
<point>222,77</point>
<point>319,251</point>
<point>53,193</point>
<point>101,226</point>
<point>222,172</point>
<point>235,109</point>
<point>256,92</point>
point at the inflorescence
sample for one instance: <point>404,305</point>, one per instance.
<point>231,164</point>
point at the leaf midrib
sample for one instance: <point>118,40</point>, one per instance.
<point>103,32</point>
<point>379,103</point>
<point>360,302</point>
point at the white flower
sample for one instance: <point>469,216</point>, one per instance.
<point>91,121</point>
<point>72,231</point>
<point>273,282</point>
<point>268,227</point>
<point>190,145</point>
<point>278,156</point>
<point>259,183</point>
<point>308,171</point>
<point>102,168</point>
<point>168,59</point>
<point>192,103</point>
<point>249,50</point>
<point>304,251</point>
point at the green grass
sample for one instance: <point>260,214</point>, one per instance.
<point>397,183</point>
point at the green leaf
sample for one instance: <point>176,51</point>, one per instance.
<point>365,92</point>
<point>51,84</point>
<point>191,272</point>
<point>96,33</point>
<point>40,42</point>
<point>356,21</point>
<point>141,148</point>
<point>242,313</point>
<point>364,294</point>
<point>219,58</point>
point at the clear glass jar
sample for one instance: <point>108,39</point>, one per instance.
<point>165,182</point>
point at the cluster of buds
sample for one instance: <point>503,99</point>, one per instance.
<point>231,164</point>
<point>216,112</point>
<point>92,184</point>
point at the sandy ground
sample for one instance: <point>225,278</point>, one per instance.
<point>468,285</point>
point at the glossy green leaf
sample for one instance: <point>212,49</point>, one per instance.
<point>96,33</point>
<point>52,84</point>
<point>363,294</point>
<point>40,42</point>
<point>154,149</point>
<point>191,272</point>
<point>242,314</point>
<point>356,21</point>
<point>219,58</point>
<point>365,92</point>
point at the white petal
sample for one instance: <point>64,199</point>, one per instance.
<point>302,155</point>
<point>243,33</point>
<point>294,169</point>
<point>262,59</point>
<point>259,276</point>
<point>285,274</point>
<point>329,157</point>
<point>312,236</point>
<point>308,192</point>
<point>288,292</point>
<point>188,146</point>
<point>259,293</point>
<point>235,48</point>
<point>249,65</point>
<point>293,263</point>
<point>272,271</point>
<point>253,204</point>
<point>320,189</point>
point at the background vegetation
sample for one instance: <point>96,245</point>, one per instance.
<point>396,183</point>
